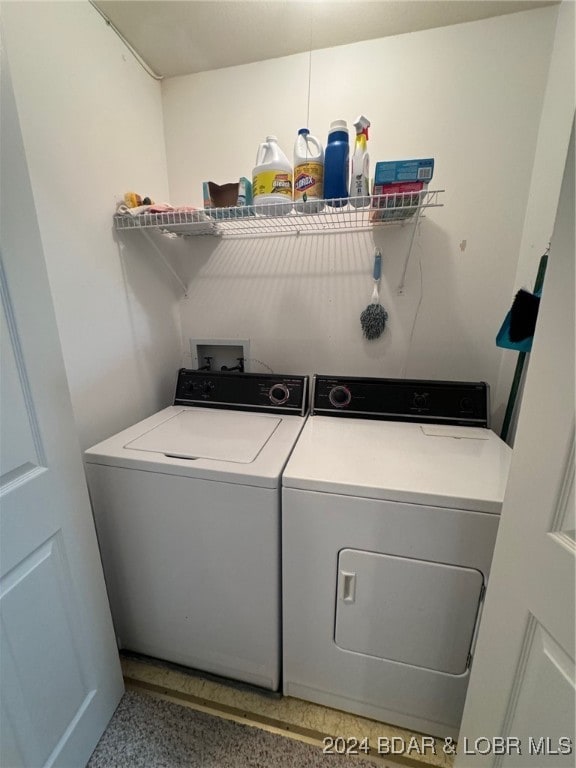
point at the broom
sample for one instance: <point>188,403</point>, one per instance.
<point>373,318</point>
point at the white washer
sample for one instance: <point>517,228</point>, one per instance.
<point>391,504</point>
<point>187,510</point>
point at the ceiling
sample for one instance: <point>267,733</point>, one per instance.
<point>180,37</point>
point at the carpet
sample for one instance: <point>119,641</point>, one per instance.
<point>147,732</point>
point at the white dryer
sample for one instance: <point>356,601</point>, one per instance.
<point>391,504</point>
<point>187,511</point>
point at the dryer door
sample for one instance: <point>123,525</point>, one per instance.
<point>411,611</point>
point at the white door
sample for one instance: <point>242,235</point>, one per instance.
<point>60,673</point>
<point>522,685</point>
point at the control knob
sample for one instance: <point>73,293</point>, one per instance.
<point>340,396</point>
<point>206,388</point>
<point>420,400</point>
<point>278,394</point>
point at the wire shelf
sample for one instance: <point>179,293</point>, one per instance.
<point>282,218</point>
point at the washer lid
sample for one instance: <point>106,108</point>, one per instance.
<point>217,435</point>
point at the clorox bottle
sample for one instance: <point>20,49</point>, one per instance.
<point>308,173</point>
<point>272,180</point>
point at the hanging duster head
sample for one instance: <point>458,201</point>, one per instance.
<point>373,319</point>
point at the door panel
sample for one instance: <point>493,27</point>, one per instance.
<point>544,708</point>
<point>523,680</point>
<point>59,665</point>
<point>18,426</point>
<point>35,598</point>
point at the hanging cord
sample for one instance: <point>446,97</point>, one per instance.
<point>401,285</point>
<point>309,68</point>
<point>416,313</point>
<point>255,360</point>
<point>132,50</point>
<point>309,84</point>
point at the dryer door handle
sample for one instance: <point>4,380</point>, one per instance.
<point>347,586</point>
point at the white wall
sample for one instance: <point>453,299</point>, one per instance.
<point>469,95</point>
<point>91,120</point>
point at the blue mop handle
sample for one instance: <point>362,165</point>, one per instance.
<point>377,265</point>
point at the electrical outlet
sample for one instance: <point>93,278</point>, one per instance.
<point>222,352</point>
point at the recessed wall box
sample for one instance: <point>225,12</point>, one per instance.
<point>221,352</point>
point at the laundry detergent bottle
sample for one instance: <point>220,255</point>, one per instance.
<point>337,165</point>
<point>308,173</point>
<point>272,180</point>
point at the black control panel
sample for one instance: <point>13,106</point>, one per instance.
<point>432,402</point>
<point>242,391</point>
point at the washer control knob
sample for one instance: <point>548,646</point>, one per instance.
<point>206,388</point>
<point>467,405</point>
<point>420,400</point>
<point>278,394</point>
<point>340,396</point>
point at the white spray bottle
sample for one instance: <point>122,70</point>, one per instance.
<point>360,176</point>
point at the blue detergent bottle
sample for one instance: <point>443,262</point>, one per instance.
<point>336,165</point>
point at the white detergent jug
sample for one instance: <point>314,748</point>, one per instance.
<point>272,180</point>
<point>308,173</point>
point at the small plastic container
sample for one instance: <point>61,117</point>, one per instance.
<point>337,165</point>
<point>308,173</point>
<point>272,180</point>
<point>399,201</point>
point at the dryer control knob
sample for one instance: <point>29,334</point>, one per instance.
<point>278,394</point>
<point>420,400</point>
<point>340,396</point>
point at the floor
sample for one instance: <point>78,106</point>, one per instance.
<point>149,731</point>
<point>301,720</point>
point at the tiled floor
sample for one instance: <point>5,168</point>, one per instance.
<point>290,717</point>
